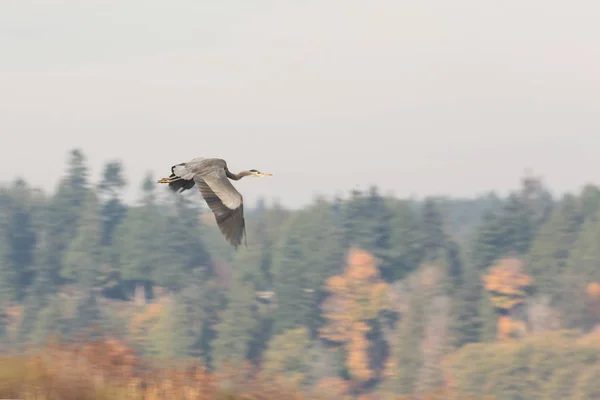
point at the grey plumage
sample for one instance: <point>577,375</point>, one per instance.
<point>212,177</point>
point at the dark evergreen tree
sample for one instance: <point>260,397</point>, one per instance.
<point>64,210</point>
<point>20,237</point>
<point>239,326</point>
<point>466,321</point>
<point>309,252</point>
<point>110,190</point>
<point>366,224</point>
<point>547,259</point>
<point>406,249</point>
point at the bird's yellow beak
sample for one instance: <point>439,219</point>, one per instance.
<point>261,174</point>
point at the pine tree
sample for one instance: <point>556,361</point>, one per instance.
<point>185,250</point>
<point>467,322</point>
<point>433,232</point>
<point>83,256</point>
<point>110,189</point>
<point>547,259</point>
<point>64,211</point>
<point>140,244</point>
<point>406,248</point>
<point>204,302</point>
<point>407,351</point>
<point>308,253</point>
<point>516,226</point>
<point>365,220</point>
<point>238,328</point>
<point>19,237</point>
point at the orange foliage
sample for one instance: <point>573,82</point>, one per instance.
<point>593,290</point>
<point>506,283</point>
<point>107,368</point>
<point>14,311</point>
<point>439,394</point>
<point>593,293</point>
<point>358,347</point>
<point>96,370</point>
<point>333,387</point>
<point>509,328</point>
<point>357,296</point>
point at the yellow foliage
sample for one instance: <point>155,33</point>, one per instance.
<point>507,283</point>
<point>107,369</point>
<point>508,328</point>
<point>358,359</point>
<point>357,297</point>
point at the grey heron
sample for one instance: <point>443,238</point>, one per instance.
<point>211,176</point>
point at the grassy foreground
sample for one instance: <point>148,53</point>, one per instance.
<point>107,369</point>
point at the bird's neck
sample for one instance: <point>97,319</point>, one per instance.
<point>238,176</point>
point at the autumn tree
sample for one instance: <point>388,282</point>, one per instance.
<point>357,296</point>
<point>507,284</point>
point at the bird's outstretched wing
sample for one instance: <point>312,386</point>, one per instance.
<point>226,203</point>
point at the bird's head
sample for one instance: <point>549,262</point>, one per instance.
<point>254,172</point>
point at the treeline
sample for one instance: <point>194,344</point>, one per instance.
<point>366,294</point>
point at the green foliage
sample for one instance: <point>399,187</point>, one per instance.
<point>172,337</point>
<point>408,353</point>
<point>467,321</point>
<point>584,257</point>
<point>239,327</point>
<point>74,258</point>
<point>289,355</point>
<point>309,252</point>
<point>550,250</point>
<point>50,322</point>
<point>365,221</point>
<point>540,367</point>
<point>83,255</point>
<point>406,248</point>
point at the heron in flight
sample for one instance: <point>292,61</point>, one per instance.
<point>211,175</point>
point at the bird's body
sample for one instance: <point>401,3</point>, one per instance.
<point>212,177</point>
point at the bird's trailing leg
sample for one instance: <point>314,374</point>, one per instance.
<point>168,180</point>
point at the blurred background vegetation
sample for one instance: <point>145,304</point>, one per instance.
<point>366,296</point>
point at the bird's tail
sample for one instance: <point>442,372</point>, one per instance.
<point>178,184</point>
<point>181,184</point>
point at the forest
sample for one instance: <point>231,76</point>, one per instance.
<point>361,297</point>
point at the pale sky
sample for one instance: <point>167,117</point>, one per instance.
<point>418,97</point>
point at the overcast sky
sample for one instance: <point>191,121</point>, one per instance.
<point>417,97</point>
